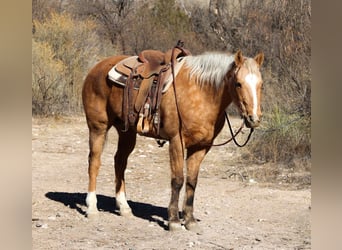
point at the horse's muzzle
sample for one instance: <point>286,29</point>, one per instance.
<point>252,121</point>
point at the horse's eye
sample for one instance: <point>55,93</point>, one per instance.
<point>238,85</point>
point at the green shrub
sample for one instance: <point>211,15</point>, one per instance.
<point>283,138</point>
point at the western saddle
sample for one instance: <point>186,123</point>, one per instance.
<point>144,77</point>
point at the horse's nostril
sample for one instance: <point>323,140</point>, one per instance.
<point>254,119</point>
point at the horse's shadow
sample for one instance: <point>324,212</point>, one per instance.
<point>107,204</point>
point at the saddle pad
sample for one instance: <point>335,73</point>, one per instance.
<point>121,79</point>
<point>118,77</point>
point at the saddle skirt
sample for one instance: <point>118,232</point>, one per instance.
<point>121,71</point>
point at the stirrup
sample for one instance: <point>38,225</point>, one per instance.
<point>143,125</point>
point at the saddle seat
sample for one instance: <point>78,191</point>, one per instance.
<point>147,64</point>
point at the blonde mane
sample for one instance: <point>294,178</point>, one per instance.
<point>209,68</point>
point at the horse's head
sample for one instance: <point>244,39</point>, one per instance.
<point>246,84</point>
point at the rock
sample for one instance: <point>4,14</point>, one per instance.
<point>42,225</point>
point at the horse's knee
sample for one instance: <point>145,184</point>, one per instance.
<point>177,182</point>
<point>191,182</point>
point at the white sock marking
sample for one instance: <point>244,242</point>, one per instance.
<point>121,201</point>
<point>91,202</point>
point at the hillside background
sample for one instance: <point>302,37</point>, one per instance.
<point>69,37</point>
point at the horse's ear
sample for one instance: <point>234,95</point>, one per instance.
<point>259,58</point>
<point>238,58</point>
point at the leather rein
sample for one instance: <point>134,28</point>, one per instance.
<point>180,46</point>
<point>234,135</point>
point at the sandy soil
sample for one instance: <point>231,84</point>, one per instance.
<point>234,211</point>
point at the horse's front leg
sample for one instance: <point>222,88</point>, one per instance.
<point>194,158</point>
<point>177,180</point>
<point>126,144</point>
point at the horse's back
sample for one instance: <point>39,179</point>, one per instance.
<point>98,73</point>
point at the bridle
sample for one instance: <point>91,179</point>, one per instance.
<point>230,126</point>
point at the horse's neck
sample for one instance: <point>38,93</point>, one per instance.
<point>225,99</point>
<point>214,100</point>
<point>205,96</point>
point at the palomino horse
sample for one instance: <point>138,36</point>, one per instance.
<point>192,113</point>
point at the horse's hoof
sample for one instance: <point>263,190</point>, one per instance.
<point>175,226</point>
<point>126,212</point>
<point>92,215</point>
<point>194,227</point>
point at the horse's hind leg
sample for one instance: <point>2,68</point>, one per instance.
<point>97,136</point>
<point>194,159</point>
<point>126,145</point>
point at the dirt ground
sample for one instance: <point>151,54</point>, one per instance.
<point>235,211</point>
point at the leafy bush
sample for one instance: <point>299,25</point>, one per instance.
<point>63,50</point>
<point>47,79</point>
